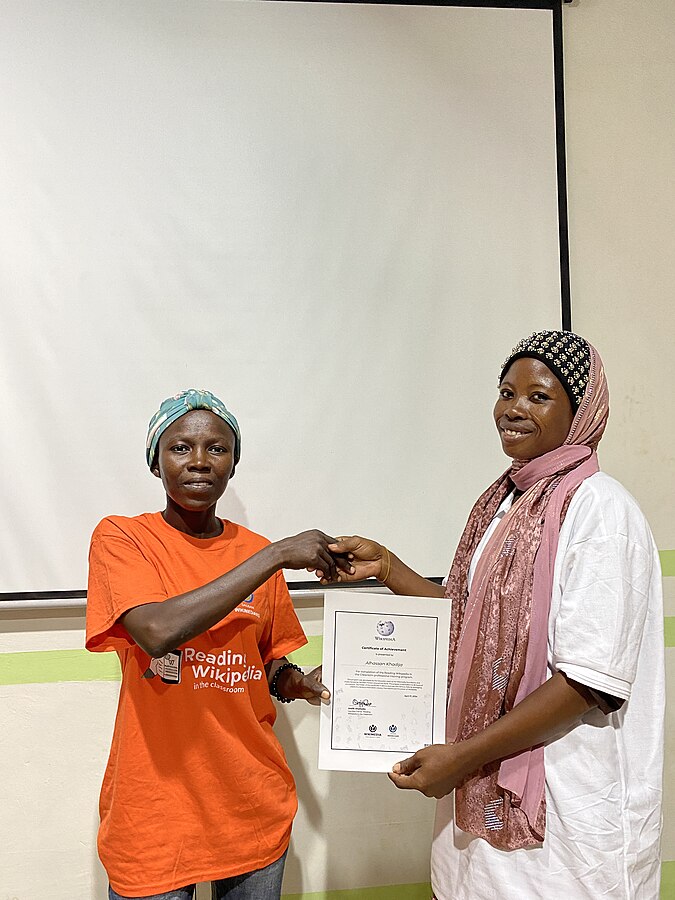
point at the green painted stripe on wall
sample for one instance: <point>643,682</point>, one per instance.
<point>667,561</point>
<point>423,891</point>
<point>311,654</point>
<point>45,666</point>
<point>388,892</point>
<point>53,666</point>
<point>669,628</point>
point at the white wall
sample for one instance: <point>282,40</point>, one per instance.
<point>620,77</point>
<point>620,97</point>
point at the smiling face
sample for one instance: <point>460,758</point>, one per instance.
<point>195,460</point>
<point>533,413</point>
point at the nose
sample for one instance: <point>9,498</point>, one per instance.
<point>515,408</point>
<point>199,460</point>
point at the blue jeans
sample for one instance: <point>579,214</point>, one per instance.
<point>262,884</point>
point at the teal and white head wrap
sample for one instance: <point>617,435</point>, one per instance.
<point>174,407</point>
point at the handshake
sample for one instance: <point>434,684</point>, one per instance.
<point>334,560</point>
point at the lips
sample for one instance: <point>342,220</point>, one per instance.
<point>513,432</point>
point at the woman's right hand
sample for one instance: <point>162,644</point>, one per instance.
<point>364,555</point>
<point>310,550</point>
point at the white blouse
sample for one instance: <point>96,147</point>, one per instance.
<point>604,776</point>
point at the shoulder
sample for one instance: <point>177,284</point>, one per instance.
<point>124,527</point>
<point>602,508</point>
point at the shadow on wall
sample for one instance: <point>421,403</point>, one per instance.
<point>99,878</point>
<point>308,799</point>
<point>231,507</point>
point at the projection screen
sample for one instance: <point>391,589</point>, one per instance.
<point>337,217</point>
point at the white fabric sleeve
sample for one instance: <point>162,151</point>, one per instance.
<point>604,583</point>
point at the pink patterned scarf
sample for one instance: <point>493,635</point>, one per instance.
<point>499,631</point>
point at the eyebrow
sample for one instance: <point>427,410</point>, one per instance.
<point>533,384</point>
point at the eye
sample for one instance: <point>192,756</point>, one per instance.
<point>218,448</point>
<point>540,397</point>
<point>179,448</point>
<point>505,393</point>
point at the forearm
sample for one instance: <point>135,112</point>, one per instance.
<point>542,716</point>
<point>546,713</point>
<point>160,627</point>
<point>405,581</point>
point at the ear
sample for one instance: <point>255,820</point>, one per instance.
<point>232,472</point>
<point>155,470</point>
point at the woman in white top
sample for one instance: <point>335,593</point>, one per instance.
<point>550,780</point>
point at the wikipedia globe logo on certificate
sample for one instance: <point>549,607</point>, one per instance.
<point>385,661</point>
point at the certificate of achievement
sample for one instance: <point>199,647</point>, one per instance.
<point>385,662</point>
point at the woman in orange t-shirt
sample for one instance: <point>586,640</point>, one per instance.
<point>197,787</point>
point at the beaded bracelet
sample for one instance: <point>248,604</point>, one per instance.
<point>274,690</point>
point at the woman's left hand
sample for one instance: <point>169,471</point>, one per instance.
<point>317,693</point>
<point>297,686</point>
<point>434,771</point>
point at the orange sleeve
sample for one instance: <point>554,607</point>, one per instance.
<point>284,632</point>
<point>119,578</point>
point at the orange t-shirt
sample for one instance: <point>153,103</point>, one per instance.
<point>197,786</point>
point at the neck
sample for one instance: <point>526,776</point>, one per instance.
<point>195,523</point>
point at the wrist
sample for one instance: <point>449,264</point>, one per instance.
<point>474,753</point>
<point>283,680</point>
<point>385,564</point>
<point>275,556</point>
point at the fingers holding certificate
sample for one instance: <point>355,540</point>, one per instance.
<point>385,664</point>
<point>434,771</point>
